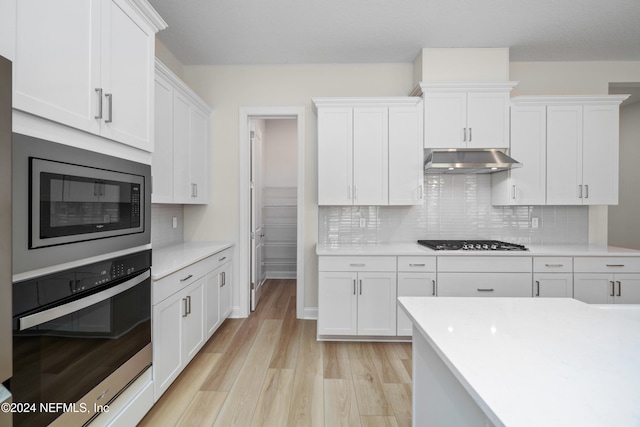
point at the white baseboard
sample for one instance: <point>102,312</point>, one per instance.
<point>310,313</point>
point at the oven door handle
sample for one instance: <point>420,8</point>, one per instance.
<point>45,316</point>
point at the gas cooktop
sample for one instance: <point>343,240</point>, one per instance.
<point>471,245</point>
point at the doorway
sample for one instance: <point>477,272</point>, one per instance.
<point>271,214</point>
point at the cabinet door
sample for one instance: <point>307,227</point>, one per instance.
<point>57,64</point>
<point>127,74</point>
<point>198,155</point>
<point>335,156</point>
<point>627,288</point>
<point>377,303</point>
<point>371,156</point>
<point>181,153</point>
<point>487,120</point>
<point>413,285</point>
<point>212,306</point>
<point>162,158</point>
<point>594,288</point>
<point>225,281</point>
<point>529,147</point>
<point>564,155</point>
<point>445,120</point>
<point>406,176</point>
<point>167,342</point>
<point>600,154</point>
<point>337,303</point>
<point>553,285</point>
<point>193,323</point>
<point>484,284</point>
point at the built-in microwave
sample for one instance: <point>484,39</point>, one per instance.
<point>72,206</point>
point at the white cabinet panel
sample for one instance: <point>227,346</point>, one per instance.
<point>406,156</point>
<point>413,285</point>
<point>193,320</point>
<point>335,156</point>
<point>167,343</point>
<point>600,157</point>
<point>484,284</point>
<point>162,159</point>
<point>487,120</point>
<point>445,120</point>
<point>371,155</point>
<point>564,154</point>
<point>553,285</point>
<point>377,304</point>
<point>602,288</point>
<point>337,303</point>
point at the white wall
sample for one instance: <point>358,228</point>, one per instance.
<point>575,78</point>
<point>169,59</point>
<point>280,153</point>
<point>8,29</point>
<point>227,88</point>
<point>624,219</point>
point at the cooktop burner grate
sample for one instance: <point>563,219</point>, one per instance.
<point>471,245</point>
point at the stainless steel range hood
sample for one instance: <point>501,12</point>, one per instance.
<point>468,161</point>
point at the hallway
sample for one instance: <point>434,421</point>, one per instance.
<point>269,370</point>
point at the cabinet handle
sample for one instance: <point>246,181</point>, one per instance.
<point>615,265</point>
<point>420,192</point>
<point>360,286</point>
<point>537,288</point>
<point>433,287</point>
<point>579,191</point>
<point>619,288</point>
<point>613,289</point>
<point>222,259</point>
<point>189,303</point>
<point>354,286</point>
<point>194,190</point>
<point>186,278</point>
<point>109,97</point>
<point>349,191</point>
<point>554,265</point>
<point>99,90</point>
<point>223,279</point>
<point>586,191</point>
<point>513,191</point>
<point>464,131</point>
<point>186,312</point>
<point>485,289</point>
<point>470,135</point>
<point>357,265</point>
<point>417,265</point>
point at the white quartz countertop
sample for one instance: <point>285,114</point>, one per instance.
<point>413,249</point>
<point>538,361</point>
<point>170,259</point>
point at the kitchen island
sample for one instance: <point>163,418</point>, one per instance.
<point>524,362</point>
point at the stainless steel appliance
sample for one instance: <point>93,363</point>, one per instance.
<point>80,336</point>
<point>471,245</point>
<point>5,234</point>
<point>469,161</point>
<point>72,206</point>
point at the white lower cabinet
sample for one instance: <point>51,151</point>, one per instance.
<point>416,278</point>
<point>552,277</point>
<point>607,280</point>
<point>356,301</point>
<point>188,307</point>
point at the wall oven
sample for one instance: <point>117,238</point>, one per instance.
<point>80,336</point>
<point>72,206</point>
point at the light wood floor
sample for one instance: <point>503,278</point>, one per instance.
<point>269,370</point>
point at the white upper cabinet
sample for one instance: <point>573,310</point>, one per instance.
<point>526,185</point>
<point>369,151</point>
<point>180,158</point>
<point>582,150</point>
<point>88,65</point>
<point>466,115</point>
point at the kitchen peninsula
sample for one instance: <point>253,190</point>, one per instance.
<point>524,362</point>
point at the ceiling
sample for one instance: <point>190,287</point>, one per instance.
<point>218,32</point>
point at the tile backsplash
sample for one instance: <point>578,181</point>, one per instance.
<point>455,207</point>
<point>162,232</point>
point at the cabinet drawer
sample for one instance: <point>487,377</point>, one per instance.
<point>357,263</point>
<point>484,285</point>
<point>169,285</point>
<point>216,260</point>
<point>552,264</point>
<point>416,263</point>
<point>480,263</point>
<point>606,265</point>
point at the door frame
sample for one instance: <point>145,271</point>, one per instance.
<point>244,247</point>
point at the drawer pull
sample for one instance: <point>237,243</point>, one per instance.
<point>189,304</point>
<point>619,288</point>
<point>554,265</point>
<point>537,288</point>
<point>187,278</point>
<point>186,310</point>
<point>417,265</point>
<point>613,289</point>
<point>615,265</point>
<point>433,287</point>
<point>485,289</point>
<point>222,259</point>
<point>357,265</point>
<point>360,287</point>
<point>354,286</point>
